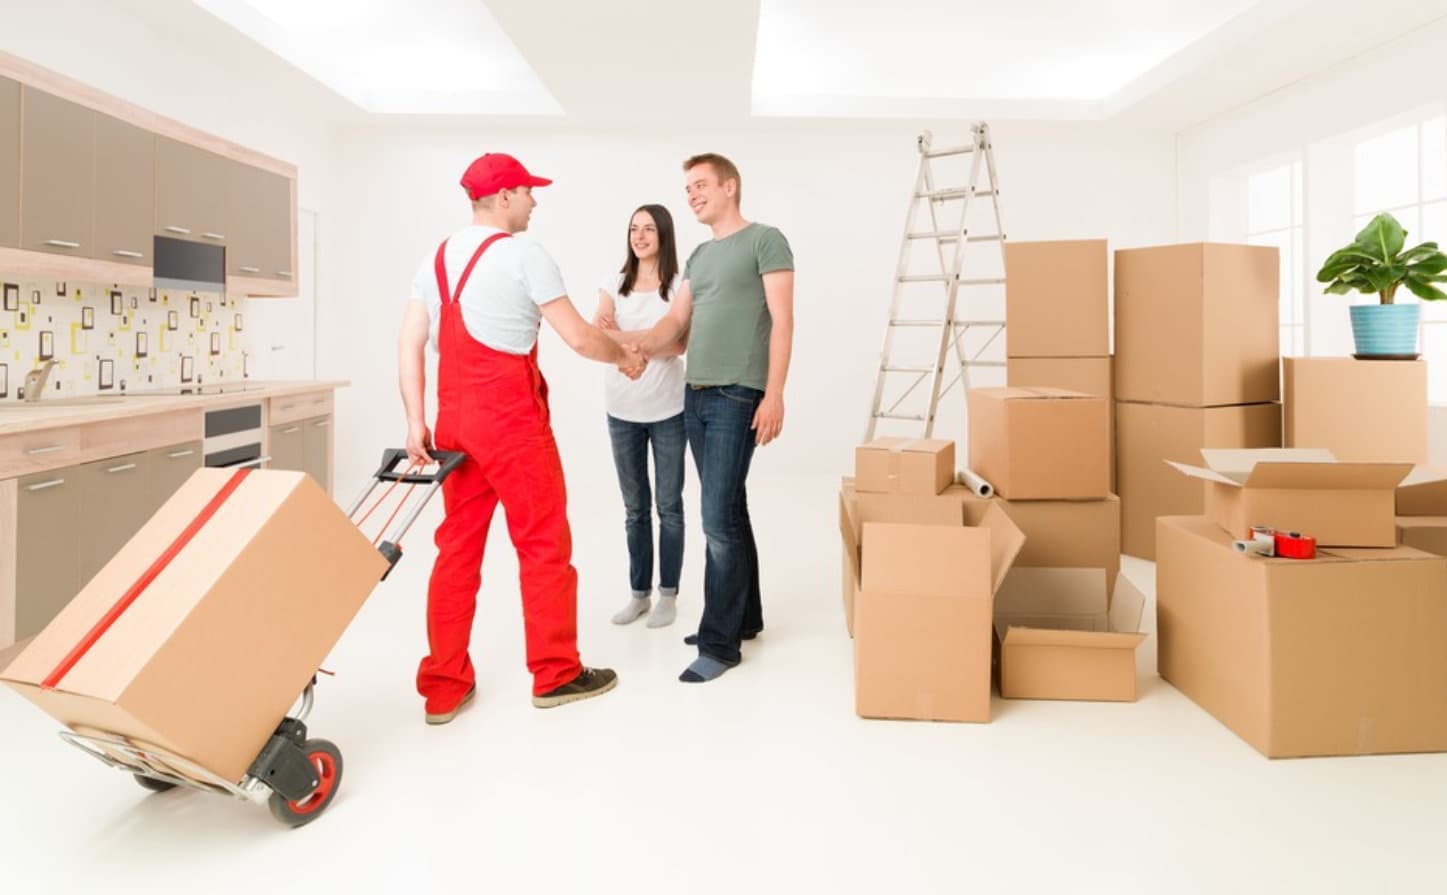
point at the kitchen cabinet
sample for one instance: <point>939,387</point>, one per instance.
<point>47,550</point>
<point>57,187</point>
<point>9,163</point>
<point>193,190</point>
<point>170,467</point>
<point>278,215</point>
<point>115,494</point>
<point>287,446</point>
<point>125,196</point>
<point>317,451</point>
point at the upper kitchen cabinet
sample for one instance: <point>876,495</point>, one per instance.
<point>9,163</point>
<point>57,211</point>
<point>193,192</point>
<point>263,225</point>
<point>125,197</point>
<point>279,215</point>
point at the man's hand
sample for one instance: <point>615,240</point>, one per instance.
<point>768,419</point>
<point>419,445</point>
<point>633,363</point>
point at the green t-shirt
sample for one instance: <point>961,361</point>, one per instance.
<point>729,340</point>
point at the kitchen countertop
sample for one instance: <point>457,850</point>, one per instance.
<point>17,416</point>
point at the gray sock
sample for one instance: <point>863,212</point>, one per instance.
<point>664,611</point>
<point>637,607</point>
<point>704,668</point>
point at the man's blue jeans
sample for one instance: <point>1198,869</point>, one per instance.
<point>630,456</point>
<point>719,420</point>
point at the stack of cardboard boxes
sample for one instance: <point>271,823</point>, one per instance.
<point>1196,366</point>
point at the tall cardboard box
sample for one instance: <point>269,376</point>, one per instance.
<point>1057,299</point>
<point>1360,410</point>
<point>207,659</point>
<point>1040,443</point>
<point>1341,655</point>
<point>1068,533</point>
<point>922,626</point>
<point>1064,636</point>
<point>1147,435</point>
<point>1197,325</point>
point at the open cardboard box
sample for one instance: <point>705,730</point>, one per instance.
<point>1063,637</point>
<point>1304,490</point>
<point>922,615</point>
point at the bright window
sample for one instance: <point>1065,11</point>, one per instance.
<point>1274,218</point>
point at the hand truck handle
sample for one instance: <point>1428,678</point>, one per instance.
<point>387,472</point>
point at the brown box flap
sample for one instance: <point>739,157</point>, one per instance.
<point>1006,539</point>
<point>1021,636</point>
<point>1328,476</point>
<point>915,559</point>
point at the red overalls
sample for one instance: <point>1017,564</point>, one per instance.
<point>493,406</point>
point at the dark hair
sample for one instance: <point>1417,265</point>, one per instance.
<point>667,252</point>
<point>723,169</point>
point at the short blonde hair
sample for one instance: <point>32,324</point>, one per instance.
<point>725,169</point>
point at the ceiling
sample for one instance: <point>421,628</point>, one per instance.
<point>664,63</point>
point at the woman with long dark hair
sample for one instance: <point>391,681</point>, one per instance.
<point>647,412</point>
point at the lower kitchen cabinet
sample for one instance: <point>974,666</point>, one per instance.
<point>46,548</point>
<point>303,446</point>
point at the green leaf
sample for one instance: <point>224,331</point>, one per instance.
<point>1425,290</point>
<point>1432,264</point>
<point>1382,238</point>
<point>1419,252</point>
<point>1340,289</point>
<point>1385,277</point>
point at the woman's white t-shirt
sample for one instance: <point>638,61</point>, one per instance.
<point>658,393</point>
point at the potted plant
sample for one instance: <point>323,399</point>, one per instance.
<point>1375,262</point>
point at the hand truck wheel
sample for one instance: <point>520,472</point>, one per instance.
<point>327,759</point>
<point>153,784</point>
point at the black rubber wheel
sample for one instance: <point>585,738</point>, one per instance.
<point>153,784</point>
<point>327,759</point>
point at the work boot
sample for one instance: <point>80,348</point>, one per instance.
<point>591,682</point>
<point>438,715</point>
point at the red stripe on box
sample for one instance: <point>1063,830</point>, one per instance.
<point>150,575</point>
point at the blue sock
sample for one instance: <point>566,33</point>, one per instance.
<point>704,668</point>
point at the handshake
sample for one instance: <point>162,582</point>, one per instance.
<point>634,362</point>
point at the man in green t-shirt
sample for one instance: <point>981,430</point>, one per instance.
<point>735,308</point>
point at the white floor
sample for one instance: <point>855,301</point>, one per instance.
<point>762,781</point>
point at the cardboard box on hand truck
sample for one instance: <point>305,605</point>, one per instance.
<point>203,655</point>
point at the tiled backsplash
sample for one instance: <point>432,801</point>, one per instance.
<point>101,336</point>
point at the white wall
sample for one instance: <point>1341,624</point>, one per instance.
<point>838,193</point>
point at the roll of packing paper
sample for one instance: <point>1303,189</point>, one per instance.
<point>1259,545</point>
<point>972,481</point>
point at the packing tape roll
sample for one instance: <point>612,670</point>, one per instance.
<point>1295,545</point>
<point>1259,545</point>
<point>970,480</point>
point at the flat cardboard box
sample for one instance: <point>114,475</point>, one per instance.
<point>210,656</point>
<point>855,509</point>
<point>1369,411</point>
<point>922,466</point>
<point>1063,636</point>
<point>1040,443</point>
<point>1068,533</point>
<point>1302,490</point>
<point>1146,434</point>
<point>1426,533</point>
<point>922,625</point>
<point>1197,325</point>
<point>1341,655</point>
<point>1057,298</point>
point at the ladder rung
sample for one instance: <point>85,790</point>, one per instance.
<point>957,150</point>
<point>954,235</point>
<point>985,363</point>
<point>897,369</point>
<point>928,323</point>
<point>945,278</point>
<point>942,195</point>
<point>915,417</point>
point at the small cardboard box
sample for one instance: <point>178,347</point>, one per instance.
<point>206,660</point>
<point>1063,636</point>
<point>1068,533</point>
<point>1341,655</point>
<point>1369,411</point>
<point>1057,297</point>
<point>1146,434</point>
<point>1426,533</point>
<point>921,466</point>
<point>1298,489</point>
<point>922,619</point>
<point>1197,325</point>
<point>1040,443</point>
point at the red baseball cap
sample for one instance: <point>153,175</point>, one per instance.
<point>495,172</point>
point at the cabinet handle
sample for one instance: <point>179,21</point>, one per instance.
<point>257,462</point>
<point>52,449</point>
<point>287,406</point>
<point>322,424</point>
<point>217,236</point>
<point>62,243</point>
<point>176,455</point>
<point>291,430</point>
<point>41,486</point>
<point>172,228</point>
<point>125,253</point>
<point>124,467</point>
<point>249,269</point>
<point>284,273</point>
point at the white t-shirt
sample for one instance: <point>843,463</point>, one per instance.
<point>500,303</point>
<point>658,393</point>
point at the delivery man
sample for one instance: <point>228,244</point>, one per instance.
<point>480,298</point>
